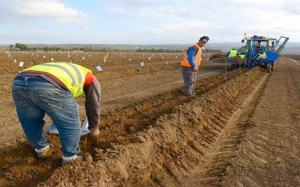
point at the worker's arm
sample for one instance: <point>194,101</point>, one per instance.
<point>191,54</point>
<point>92,91</point>
<point>227,55</point>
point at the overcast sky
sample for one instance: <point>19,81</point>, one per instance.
<point>145,21</point>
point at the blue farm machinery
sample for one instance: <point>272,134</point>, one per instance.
<point>260,51</point>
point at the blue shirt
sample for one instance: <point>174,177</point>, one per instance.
<point>192,51</point>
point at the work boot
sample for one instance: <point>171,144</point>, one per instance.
<point>41,153</point>
<point>191,95</point>
<point>69,160</point>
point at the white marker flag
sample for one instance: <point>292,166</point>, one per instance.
<point>98,68</point>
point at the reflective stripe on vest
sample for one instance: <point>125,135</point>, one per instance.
<point>197,57</point>
<point>71,75</point>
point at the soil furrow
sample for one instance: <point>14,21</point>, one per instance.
<point>169,117</point>
<point>223,150</point>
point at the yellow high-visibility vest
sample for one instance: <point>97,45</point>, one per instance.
<point>262,55</point>
<point>232,53</point>
<point>242,56</point>
<point>71,75</point>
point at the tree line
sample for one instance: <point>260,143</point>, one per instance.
<point>24,47</point>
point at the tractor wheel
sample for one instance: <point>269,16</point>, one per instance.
<point>273,67</point>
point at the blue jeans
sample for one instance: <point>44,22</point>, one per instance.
<point>33,99</point>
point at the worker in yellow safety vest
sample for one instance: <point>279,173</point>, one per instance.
<point>232,53</point>
<point>258,58</point>
<point>262,55</point>
<point>242,59</point>
<point>190,65</point>
<point>242,56</point>
<point>51,88</point>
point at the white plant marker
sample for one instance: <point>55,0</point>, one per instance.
<point>98,68</point>
<point>142,64</point>
<point>21,64</point>
<point>84,127</point>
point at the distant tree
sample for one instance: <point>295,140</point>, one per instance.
<point>22,47</point>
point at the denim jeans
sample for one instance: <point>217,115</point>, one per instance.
<point>35,99</point>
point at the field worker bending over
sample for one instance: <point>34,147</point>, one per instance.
<point>190,65</point>
<point>51,89</point>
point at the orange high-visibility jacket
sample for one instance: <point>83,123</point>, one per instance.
<point>197,58</point>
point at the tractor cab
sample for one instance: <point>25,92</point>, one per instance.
<point>254,44</point>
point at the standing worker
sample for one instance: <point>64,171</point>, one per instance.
<point>190,65</point>
<point>231,58</point>
<point>51,89</point>
<point>232,53</point>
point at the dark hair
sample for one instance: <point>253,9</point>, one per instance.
<point>204,38</point>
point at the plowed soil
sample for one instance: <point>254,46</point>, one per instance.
<point>241,129</point>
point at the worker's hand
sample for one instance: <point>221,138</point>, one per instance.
<point>95,132</point>
<point>195,69</point>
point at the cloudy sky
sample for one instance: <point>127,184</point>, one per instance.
<point>145,21</point>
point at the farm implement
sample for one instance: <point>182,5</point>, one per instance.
<point>259,51</point>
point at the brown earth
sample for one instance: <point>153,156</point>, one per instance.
<point>242,129</point>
